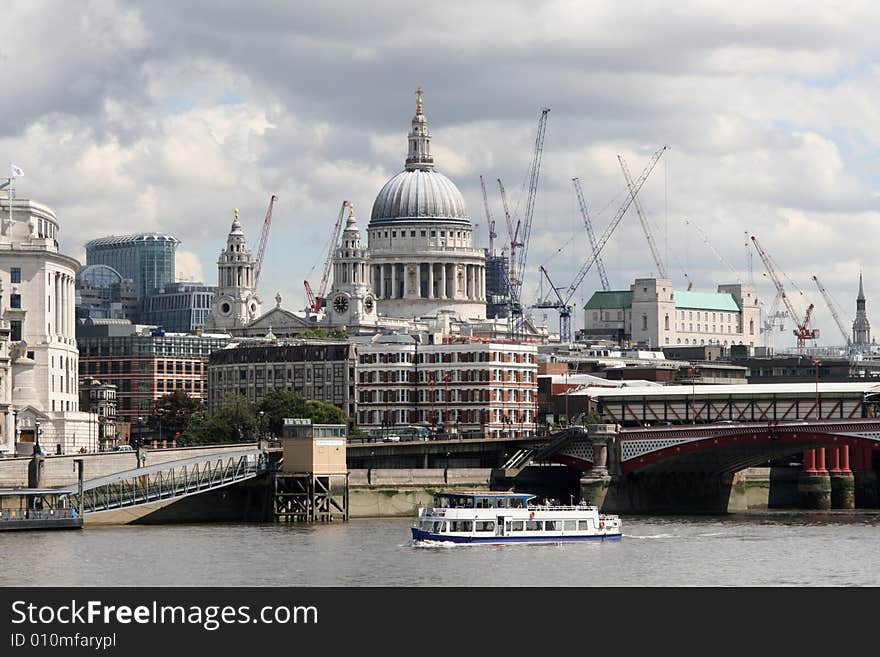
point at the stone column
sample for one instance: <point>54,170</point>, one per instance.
<point>430,280</point>
<point>57,292</point>
<point>594,484</point>
<point>418,280</point>
<point>393,279</point>
<point>814,483</point>
<point>864,478</point>
<point>71,301</point>
<point>842,482</point>
<point>380,288</point>
<point>443,294</point>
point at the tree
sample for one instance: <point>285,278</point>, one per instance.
<point>173,411</point>
<point>324,413</point>
<point>235,421</point>
<point>279,404</point>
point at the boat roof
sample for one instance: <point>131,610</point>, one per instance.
<point>486,493</point>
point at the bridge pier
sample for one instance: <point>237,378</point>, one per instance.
<point>864,478</point>
<point>842,481</point>
<point>814,483</point>
<point>595,483</point>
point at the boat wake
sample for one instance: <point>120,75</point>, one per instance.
<point>649,536</point>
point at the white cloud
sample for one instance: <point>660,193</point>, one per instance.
<point>143,116</point>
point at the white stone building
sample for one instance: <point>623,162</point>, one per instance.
<point>38,359</point>
<point>653,313</point>
<point>421,252</point>
<point>236,303</point>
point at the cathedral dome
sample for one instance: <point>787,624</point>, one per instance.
<point>418,195</point>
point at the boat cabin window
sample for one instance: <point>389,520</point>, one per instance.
<point>516,503</point>
<point>485,525</point>
<point>569,525</point>
<point>461,526</point>
<point>583,525</point>
<point>485,503</point>
<point>552,525</point>
<point>454,502</point>
<point>534,525</point>
<point>514,526</point>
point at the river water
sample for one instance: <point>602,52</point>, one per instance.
<point>776,549</point>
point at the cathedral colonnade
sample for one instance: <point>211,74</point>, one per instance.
<point>429,280</point>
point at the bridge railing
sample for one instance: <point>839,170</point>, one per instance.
<point>169,480</point>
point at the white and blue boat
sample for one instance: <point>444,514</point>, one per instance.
<point>490,517</point>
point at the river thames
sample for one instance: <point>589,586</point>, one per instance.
<point>774,549</point>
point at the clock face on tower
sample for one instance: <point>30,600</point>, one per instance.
<point>340,304</point>
<point>368,304</point>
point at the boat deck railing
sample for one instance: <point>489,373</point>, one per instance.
<point>561,507</point>
<point>19,515</point>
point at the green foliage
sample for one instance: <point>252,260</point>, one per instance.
<point>238,420</point>
<point>279,404</point>
<point>324,334</point>
<point>324,412</point>
<point>174,411</point>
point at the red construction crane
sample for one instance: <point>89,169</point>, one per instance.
<point>316,301</point>
<point>264,238</point>
<point>803,332</point>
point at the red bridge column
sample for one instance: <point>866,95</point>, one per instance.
<point>814,482</point>
<point>864,478</point>
<point>842,481</point>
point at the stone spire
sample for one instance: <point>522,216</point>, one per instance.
<point>861,326</point>
<point>419,156</point>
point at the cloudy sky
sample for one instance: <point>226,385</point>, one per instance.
<point>130,116</point>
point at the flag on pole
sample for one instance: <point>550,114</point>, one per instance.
<point>16,171</point>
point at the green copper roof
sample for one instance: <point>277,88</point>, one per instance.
<point>705,301</point>
<point>610,299</point>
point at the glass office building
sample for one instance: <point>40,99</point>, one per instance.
<point>145,258</point>
<point>179,307</point>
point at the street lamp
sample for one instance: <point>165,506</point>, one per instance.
<point>37,432</point>
<point>140,438</point>
<point>260,429</point>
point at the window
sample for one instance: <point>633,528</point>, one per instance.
<point>569,525</point>
<point>15,274</point>
<point>15,301</point>
<point>583,525</point>
<point>534,525</point>
<point>15,334</point>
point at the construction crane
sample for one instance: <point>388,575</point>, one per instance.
<point>827,297</point>
<point>720,258</point>
<point>534,172</point>
<point>316,301</point>
<point>512,233</point>
<point>562,303</point>
<point>771,318</point>
<point>661,268</point>
<point>603,277</point>
<point>264,239</point>
<point>803,332</point>
<point>489,219</point>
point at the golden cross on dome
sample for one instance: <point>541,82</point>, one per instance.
<point>350,209</point>
<point>419,93</point>
<point>236,214</point>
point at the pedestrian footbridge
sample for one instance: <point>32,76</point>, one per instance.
<point>168,480</point>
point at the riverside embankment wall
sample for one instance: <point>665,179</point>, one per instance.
<point>400,492</point>
<point>384,493</point>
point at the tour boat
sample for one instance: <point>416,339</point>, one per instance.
<point>489,517</point>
